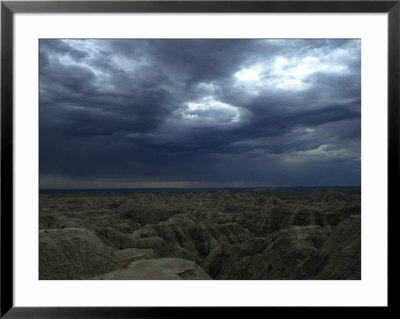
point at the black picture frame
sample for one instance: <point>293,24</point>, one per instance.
<point>9,8</point>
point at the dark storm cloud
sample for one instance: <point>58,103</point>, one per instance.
<point>199,112</point>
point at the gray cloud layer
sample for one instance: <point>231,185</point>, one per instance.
<point>126,113</point>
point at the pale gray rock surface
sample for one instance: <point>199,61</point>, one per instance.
<point>136,254</point>
<point>158,269</point>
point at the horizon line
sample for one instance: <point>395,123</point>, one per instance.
<point>100,188</point>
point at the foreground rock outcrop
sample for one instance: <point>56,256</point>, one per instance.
<point>159,269</point>
<point>74,253</point>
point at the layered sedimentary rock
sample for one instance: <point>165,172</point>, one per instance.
<point>331,196</point>
<point>339,257</point>
<point>74,253</point>
<point>221,258</point>
<point>164,248</point>
<point>197,237</point>
<point>284,251</point>
<point>226,235</point>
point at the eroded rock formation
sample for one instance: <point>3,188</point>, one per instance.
<point>210,235</point>
<point>74,253</point>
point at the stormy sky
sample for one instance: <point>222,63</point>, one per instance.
<point>199,113</point>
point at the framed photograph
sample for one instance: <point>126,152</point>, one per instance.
<point>173,158</point>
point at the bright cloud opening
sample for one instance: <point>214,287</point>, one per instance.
<point>291,73</point>
<point>287,73</point>
<point>248,75</point>
<point>209,111</point>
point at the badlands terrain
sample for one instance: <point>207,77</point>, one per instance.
<point>200,236</point>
